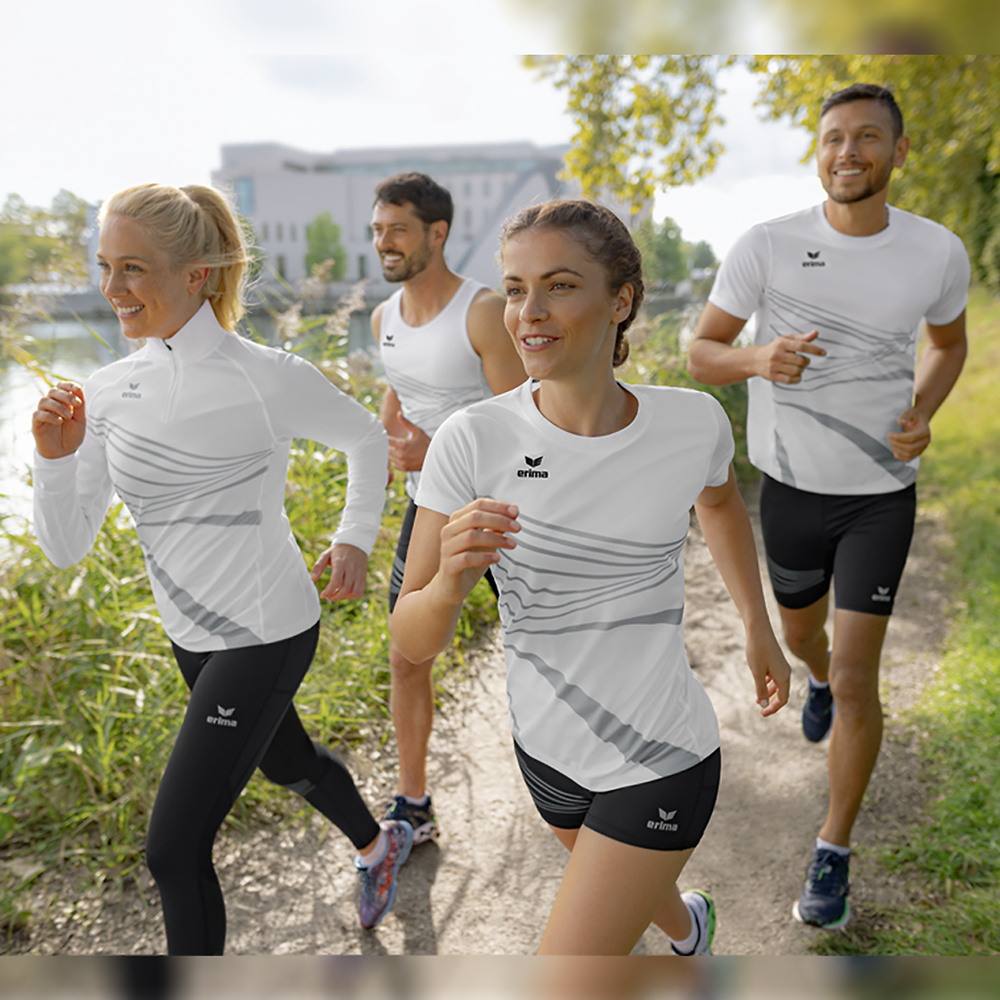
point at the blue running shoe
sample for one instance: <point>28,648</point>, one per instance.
<point>817,713</point>
<point>420,817</point>
<point>823,902</point>
<point>702,909</point>
<point>378,882</point>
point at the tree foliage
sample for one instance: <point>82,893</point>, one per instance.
<point>663,257</point>
<point>642,122</point>
<point>38,244</point>
<point>323,244</point>
<point>951,111</point>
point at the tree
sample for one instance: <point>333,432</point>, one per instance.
<point>951,110</point>
<point>38,244</point>
<point>323,244</point>
<point>700,255</point>
<point>642,122</point>
<point>663,260</point>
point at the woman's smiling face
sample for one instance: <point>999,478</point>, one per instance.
<point>559,310</point>
<point>151,297</point>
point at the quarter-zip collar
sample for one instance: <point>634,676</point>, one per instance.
<point>192,342</point>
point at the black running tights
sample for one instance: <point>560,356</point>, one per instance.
<point>240,716</point>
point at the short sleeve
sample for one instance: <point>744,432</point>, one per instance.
<point>448,474</point>
<point>742,278</point>
<point>955,287</point>
<point>722,453</point>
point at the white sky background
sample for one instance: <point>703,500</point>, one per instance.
<point>93,99</point>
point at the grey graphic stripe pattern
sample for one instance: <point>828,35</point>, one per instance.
<point>858,351</point>
<point>232,633</point>
<point>429,406</point>
<point>583,572</point>
<point>552,799</point>
<point>876,450</point>
<point>661,758</point>
<point>153,478</point>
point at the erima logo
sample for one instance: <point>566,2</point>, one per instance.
<point>532,472</point>
<point>882,595</point>
<point>387,341</point>
<point>223,718</point>
<point>132,394</point>
<point>812,259</point>
<point>663,823</point>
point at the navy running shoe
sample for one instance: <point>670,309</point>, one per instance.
<point>702,909</point>
<point>378,882</point>
<point>817,713</point>
<point>823,902</point>
<point>420,817</point>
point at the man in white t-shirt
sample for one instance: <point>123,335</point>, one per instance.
<point>839,414</point>
<point>443,346</point>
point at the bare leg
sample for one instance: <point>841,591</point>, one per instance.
<point>610,893</point>
<point>857,729</point>
<point>805,635</point>
<point>412,706</point>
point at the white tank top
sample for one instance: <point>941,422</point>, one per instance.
<point>433,369</point>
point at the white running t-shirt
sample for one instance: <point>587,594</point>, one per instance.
<point>866,295</point>
<point>592,597</point>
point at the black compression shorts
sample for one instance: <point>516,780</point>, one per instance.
<point>861,542</point>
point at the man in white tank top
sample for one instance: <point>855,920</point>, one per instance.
<point>443,346</point>
<point>839,413</point>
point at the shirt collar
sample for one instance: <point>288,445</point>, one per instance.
<point>193,341</point>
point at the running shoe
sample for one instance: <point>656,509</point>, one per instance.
<point>817,713</point>
<point>378,882</point>
<point>823,902</point>
<point>421,817</point>
<point>702,909</point>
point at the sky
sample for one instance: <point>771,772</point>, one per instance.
<point>94,100</point>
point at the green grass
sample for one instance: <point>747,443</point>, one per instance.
<point>954,855</point>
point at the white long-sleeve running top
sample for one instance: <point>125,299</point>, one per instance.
<point>193,434</point>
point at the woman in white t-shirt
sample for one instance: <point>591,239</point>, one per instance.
<point>593,484</point>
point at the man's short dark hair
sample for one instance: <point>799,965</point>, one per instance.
<point>430,201</point>
<point>867,92</point>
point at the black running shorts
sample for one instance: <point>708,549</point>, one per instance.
<point>859,541</point>
<point>666,814</point>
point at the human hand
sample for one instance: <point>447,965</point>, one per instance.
<point>60,421</point>
<point>914,438</point>
<point>770,671</point>
<point>348,571</point>
<point>407,453</point>
<point>470,544</point>
<point>785,358</point>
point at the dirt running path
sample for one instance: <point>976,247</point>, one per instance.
<point>488,885</point>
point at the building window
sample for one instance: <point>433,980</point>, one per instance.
<point>245,201</point>
<point>362,266</point>
<point>279,231</point>
<point>280,265</point>
<point>265,232</point>
<point>486,189</point>
<point>293,232</point>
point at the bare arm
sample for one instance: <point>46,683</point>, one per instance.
<point>726,527</point>
<point>446,558</point>
<point>713,360</point>
<point>939,368</point>
<point>494,345</point>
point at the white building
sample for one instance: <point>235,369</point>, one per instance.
<point>281,190</point>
